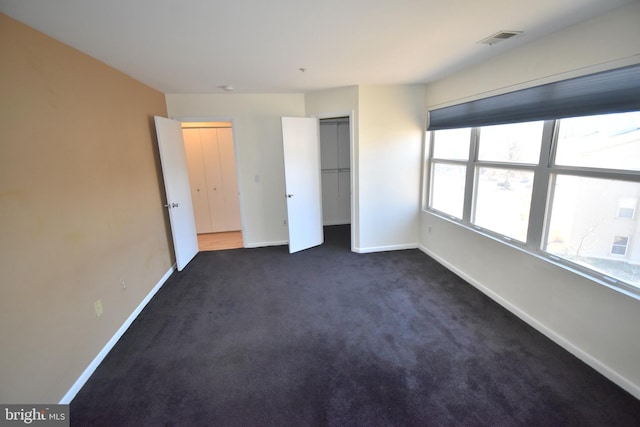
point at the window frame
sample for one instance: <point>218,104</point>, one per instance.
<point>616,245</point>
<point>545,174</point>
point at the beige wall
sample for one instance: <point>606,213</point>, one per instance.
<point>391,128</point>
<point>596,323</point>
<point>80,210</point>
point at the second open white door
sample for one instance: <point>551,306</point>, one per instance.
<point>301,144</point>
<point>176,184</point>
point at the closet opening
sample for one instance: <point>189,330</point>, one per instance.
<point>213,180</point>
<point>335,161</point>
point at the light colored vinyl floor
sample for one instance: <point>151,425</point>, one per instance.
<point>220,241</point>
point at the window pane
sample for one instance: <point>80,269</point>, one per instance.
<point>610,141</point>
<point>503,201</point>
<point>452,144</point>
<point>586,228</point>
<point>447,188</point>
<point>627,207</point>
<point>514,143</point>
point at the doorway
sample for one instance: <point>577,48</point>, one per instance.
<point>335,153</point>
<point>213,180</point>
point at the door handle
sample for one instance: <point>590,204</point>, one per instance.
<point>173,205</point>
<point>289,195</point>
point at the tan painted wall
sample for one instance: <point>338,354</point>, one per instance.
<point>80,209</point>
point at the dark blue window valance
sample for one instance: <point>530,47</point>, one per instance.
<point>613,91</point>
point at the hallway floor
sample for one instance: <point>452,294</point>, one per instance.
<point>220,241</point>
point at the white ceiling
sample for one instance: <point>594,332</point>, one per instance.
<point>258,46</point>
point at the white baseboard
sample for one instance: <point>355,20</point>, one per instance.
<point>75,388</point>
<point>587,358</point>
<point>386,248</point>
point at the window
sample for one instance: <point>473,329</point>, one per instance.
<point>448,171</point>
<point>566,189</point>
<point>608,141</point>
<point>594,184</point>
<point>627,208</point>
<point>452,144</point>
<point>507,155</point>
<point>582,221</point>
<point>512,143</point>
<point>503,201</point>
<point>619,246</point>
<point>447,191</point>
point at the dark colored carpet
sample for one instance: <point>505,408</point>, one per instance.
<point>259,337</point>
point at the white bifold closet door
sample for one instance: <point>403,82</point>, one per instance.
<point>213,179</point>
<point>229,179</point>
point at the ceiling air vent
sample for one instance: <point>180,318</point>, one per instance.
<point>500,36</point>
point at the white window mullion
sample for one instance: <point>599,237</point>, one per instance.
<point>469,194</point>
<point>428,167</point>
<point>541,188</point>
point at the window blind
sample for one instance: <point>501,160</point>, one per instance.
<point>613,91</point>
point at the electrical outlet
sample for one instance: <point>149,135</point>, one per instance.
<point>124,285</point>
<point>97,306</point>
<point>284,222</point>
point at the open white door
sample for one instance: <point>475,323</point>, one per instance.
<point>176,184</point>
<point>301,144</point>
